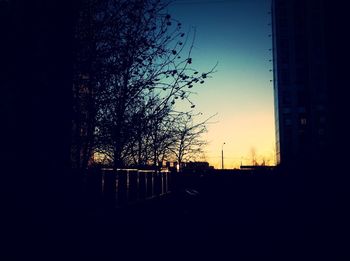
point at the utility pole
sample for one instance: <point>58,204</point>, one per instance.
<point>222,156</point>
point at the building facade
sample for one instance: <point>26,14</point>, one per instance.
<point>301,86</point>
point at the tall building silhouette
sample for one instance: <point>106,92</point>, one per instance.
<point>301,81</point>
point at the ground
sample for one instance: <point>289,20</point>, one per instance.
<point>221,218</point>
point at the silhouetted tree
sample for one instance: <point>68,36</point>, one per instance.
<point>135,63</point>
<point>189,142</point>
<point>253,157</point>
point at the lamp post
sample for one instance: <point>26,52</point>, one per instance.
<point>222,156</point>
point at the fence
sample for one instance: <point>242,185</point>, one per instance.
<point>124,186</point>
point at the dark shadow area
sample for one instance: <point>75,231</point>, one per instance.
<point>218,215</point>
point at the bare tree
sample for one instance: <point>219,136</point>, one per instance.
<point>253,156</point>
<point>139,65</point>
<point>189,143</point>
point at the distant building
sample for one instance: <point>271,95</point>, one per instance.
<point>256,167</point>
<point>196,166</point>
<point>301,81</point>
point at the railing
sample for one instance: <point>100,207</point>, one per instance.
<point>125,186</point>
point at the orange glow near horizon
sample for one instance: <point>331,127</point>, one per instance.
<point>234,34</point>
<point>241,135</point>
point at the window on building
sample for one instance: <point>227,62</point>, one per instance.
<point>283,22</point>
<point>301,110</point>
<point>285,66</point>
<point>288,134</point>
<point>316,5</point>
<point>281,3</point>
<point>300,12</point>
<point>282,12</point>
<point>287,120</point>
<point>286,99</point>
<point>301,76</point>
<point>286,110</point>
<point>300,53</point>
<point>302,99</point>
<point>284,43</point>
<point>302,137</point>
<point>322,119</point>
<point>284,58</point>
<point>284,77</point>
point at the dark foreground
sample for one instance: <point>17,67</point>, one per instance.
<point>223,217</point>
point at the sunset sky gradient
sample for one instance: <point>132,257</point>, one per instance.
<point>234,33</point>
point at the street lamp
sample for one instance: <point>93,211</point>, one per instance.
<point>222,156</point>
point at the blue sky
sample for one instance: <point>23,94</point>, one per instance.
<point>234,33</point>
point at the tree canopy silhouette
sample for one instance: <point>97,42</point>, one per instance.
<point>133,62</point>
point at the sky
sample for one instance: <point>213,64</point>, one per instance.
<point>234,34</point>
